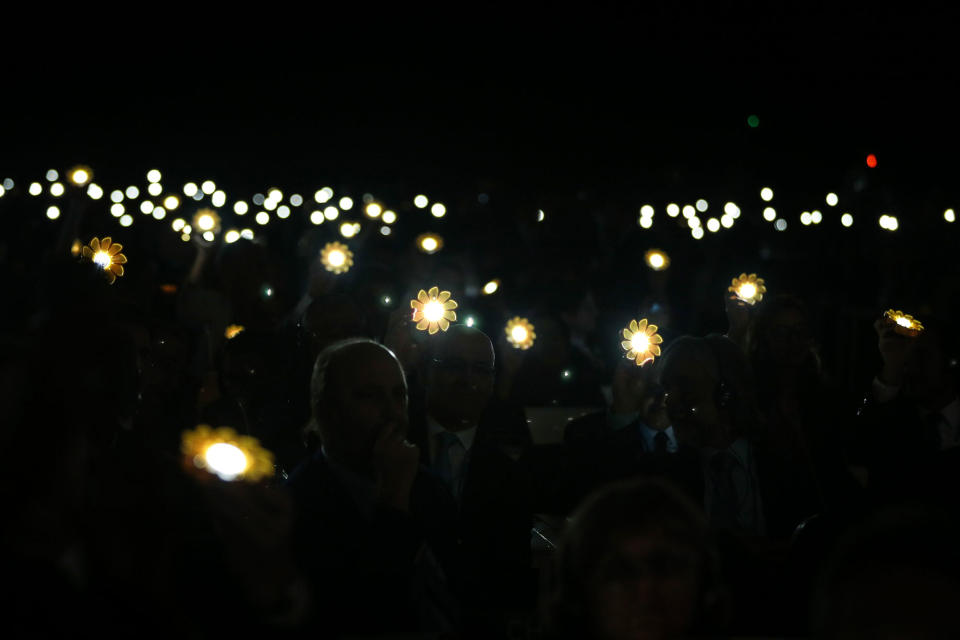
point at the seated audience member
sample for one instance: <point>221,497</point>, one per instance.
<point>636,561</point>
<point>807,472</point>
<point>460,439</point>
<point>633,437</point>
<point>896,576</point>
<point>364,510</point>
<point>908,430</point>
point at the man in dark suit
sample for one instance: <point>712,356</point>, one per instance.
<point>367,514</point>
<point>461,436</point>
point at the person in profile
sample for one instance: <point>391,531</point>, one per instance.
<point>365,509</point>
<point>636,562</point>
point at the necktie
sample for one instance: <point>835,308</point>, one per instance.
<point>447,443</point>
<point>660,442</point>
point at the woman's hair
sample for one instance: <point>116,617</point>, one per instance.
<point>624,508</point>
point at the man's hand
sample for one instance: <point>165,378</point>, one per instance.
<point>629,387</point>
<point>395,463</point>
<point>398,338</point>
<point>739,317</point>
<point>895,349</point>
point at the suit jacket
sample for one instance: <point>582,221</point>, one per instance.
<point>371,571</point>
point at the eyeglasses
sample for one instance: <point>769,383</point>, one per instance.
<point>458,365</point>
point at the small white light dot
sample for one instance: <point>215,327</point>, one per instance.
<point>185,237</point>
<point>420,202</point>
<point>323,195</point>
<point>346,203</point>
<point>645,222</point>
<point>766,194</point>
<point>697,232</point>
<point>438,210</point>
<point>159,213</point>
<point>348,229</point>
<point>283,211</point>
<point>126,220</point>
<point>385,231</point>
<point>769,214</point>
<point>187,228</point>
<point>146,206</point>
<point>702,205</point>
<point>231,236</point>
<point>269,204</point>
<point>53,212</point>
<point>116,195</point>
<point>153,176</point>
<point>296,199</point>
<point>816,217</point>
<point>646,211</point>
<point>805,218</point>
<point>52,175</point>
<point>132,191</point>
<point>949,215</point>
<point>846,220</point>
<point>727,220</point>
<point>56,189</point>
<point>262,217</point>
<point>689,211</point>
<point>258,199</point>
<point>3,190</point>
<point>832,199</point>
<point>208,187</point>
<point>713,225</point>
<point>35,189</point>
<point>780,225</point>
<point>155,189</point>
<point>240,208</point>
<point>190,189</point>
<point>316,217</point>
<point>219,198</point>
<point>389,217</point>
<point>673,210</point>
<point>7,184</point>
<point>373,210</point>
<point>208,236</point>
<point>178,224</point>
<point>331,213</point>
<point>731,209</point>
<point>247,234</point>
<point>275,194</point>
<point>540,215</point>
<point>94,191</point>
<point>693,222</point>
<point>116,210</point>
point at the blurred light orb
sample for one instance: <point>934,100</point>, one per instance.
<point>178,224</point>
<point>258,199</point>
<point>7,184</point>
<point>949,215</point>
<point>805,218</point>
<point>673,210</point>
<point>52,175</point>
<point>540,215</point>
<point>116,195</point>
<point>727,220</point>
<point>219,198</point>
<point>816,217</point>
<point>35,189</point>
<point>389,217</point>
<point>645,222</point>
<point>656,259</point>
<point>331,213</point>
<point>780,225</point>
<point>697,232</point>
<point>769,214</point>
<point>116,210</point>
<point>385,231</point>
<point>155,189</point>
<point>283,211</point>
<point>846,220</point>
<point>349,229</point>
<point>126,220</point>
<point>190,189</point>
<point>346,203</point>
<point>323,195</point>
<point>262,217</point>
<point>225,460</point>
<point>3,190</point>
<point>491,287</point>
<point>421,202</point>
<point>146,206</point>
<point>158,213</point>
<point>470,321</point>
<point>274,194</point>
<point>713,225</point>
<point>187,228</point>
<point>373,210</point>
<point>209,236</point>
<point>185,237</point>
<point>206,222</point>
<point>296,199</point>
<point>153,175</point>
<point>231,236</point>
<point>132,191</point>
<point>208,187</point>
<point>832,199</point>
<point>316,217</point>
<point>731,210</point>
<point>693,222</point>
<point>56,189</point>
<point>702,205</point>
<point>80,176</point>
<point>246,234</point>
<point>438,210</point>
<point>269,204</point>
<point>240,208</point>
<point>766,194</point>
<point>53,212</point>
<point>429,244</point>
<point>646,211</point>
<point>689,211</point>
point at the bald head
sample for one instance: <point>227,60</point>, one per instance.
<point>460,377</point>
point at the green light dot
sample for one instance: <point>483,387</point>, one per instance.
<point>753,121</point>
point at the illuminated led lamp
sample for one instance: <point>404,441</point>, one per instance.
<point>433,310</point>
<point>233,330</point>
<point>641,342</point>
<point>206,220</point>
<point>429,243</point>
<point>105,254</point>
<point>520,333</point>
<point>949,215</point>
<point>872,161</point>
<point>491,287</point>
<point>748,288</point>
<point>226,454</point>
<point>656,259</point>
<point>336,257</point>
<point>903,323</point>
<point>80,175</point>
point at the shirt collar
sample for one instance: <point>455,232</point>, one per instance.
<point>364,491</point>
<point>465,436</point>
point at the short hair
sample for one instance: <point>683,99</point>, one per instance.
<point>325,365</point>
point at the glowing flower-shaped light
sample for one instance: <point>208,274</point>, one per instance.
<point>226,454</point>
<point>520,333</point>
<point>433,310</point>
<point>80,175</point>
<point>656,259</point>
<point>641,342</point>
<point>232,331</point>
<point>206,220</point>
<point>429,243</point>
<point>904,324</point>
<point>106,255</point>
<point>336,257</point>
<point>748,288</point>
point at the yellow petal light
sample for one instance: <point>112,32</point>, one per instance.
<point>520,333</point>
<point>748,288</point>
<point>226,454</point>
<point>656,259</point>
<point>641,342</point>
<point>903,323</point>
<point>336,257</point>
<point>232,331</point>
<point>106,255</point>
<point>433,310</point>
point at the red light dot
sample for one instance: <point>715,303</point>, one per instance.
<point>871,161</point>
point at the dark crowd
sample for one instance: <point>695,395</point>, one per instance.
<point>784,469</point>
